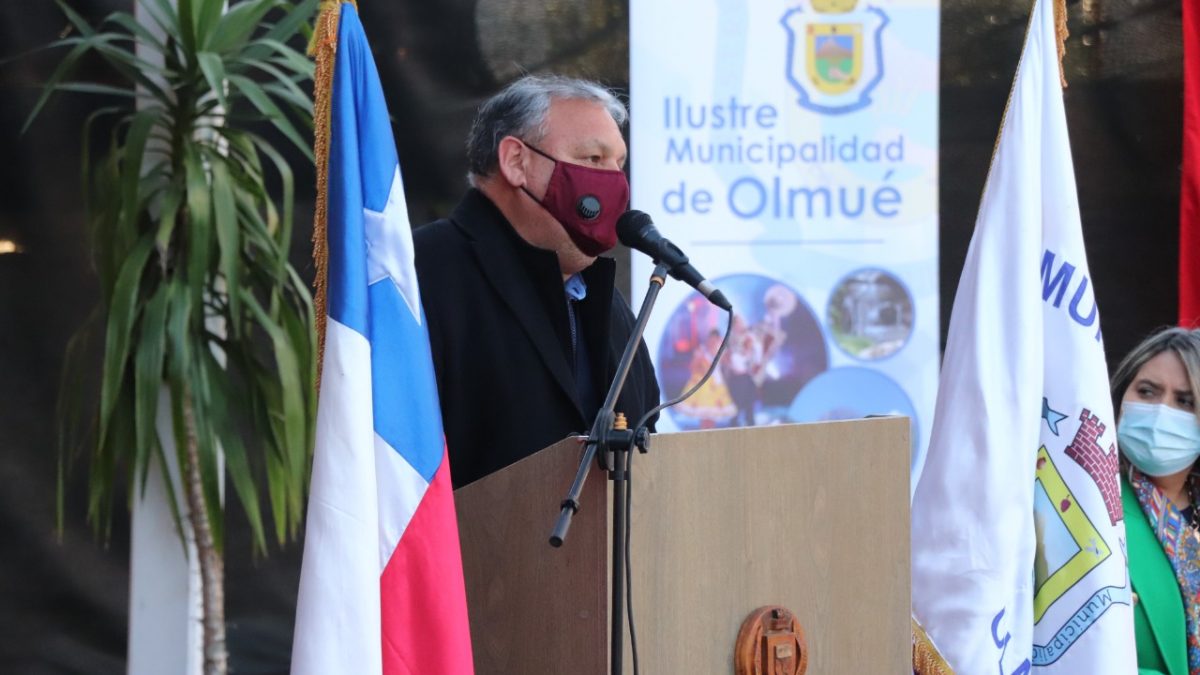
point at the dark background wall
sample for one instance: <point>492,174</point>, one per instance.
<point>1124,113</point>
<point>63,602</point>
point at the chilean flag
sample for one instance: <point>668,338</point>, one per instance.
<point>381,587</point>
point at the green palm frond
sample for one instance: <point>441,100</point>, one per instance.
<point>198,298</point>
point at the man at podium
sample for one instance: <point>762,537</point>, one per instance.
<point>525,323</point>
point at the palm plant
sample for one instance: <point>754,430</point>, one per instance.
<point>191,250</point>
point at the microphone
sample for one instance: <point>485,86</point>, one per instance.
<point>636,230</point>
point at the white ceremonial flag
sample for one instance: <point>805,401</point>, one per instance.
<point>1019,557</point>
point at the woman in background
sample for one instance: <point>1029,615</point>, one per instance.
<point>1155,390</point>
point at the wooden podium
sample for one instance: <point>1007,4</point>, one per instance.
<point>814,517</point>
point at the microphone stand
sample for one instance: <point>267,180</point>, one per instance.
<point>611,437</point>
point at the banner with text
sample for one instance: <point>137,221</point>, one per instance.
<point>791,148</point>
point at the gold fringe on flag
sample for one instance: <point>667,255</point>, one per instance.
<point>1061,32</point>
<point>925,657</point>
<point>323,48</point>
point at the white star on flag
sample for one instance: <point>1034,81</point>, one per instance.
<point>390,246</point>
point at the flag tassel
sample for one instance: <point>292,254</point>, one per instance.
<point>1061,33</point>
<point>926,659</point>
<point>323,48</point>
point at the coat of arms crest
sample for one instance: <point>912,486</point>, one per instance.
<point>835,54</point>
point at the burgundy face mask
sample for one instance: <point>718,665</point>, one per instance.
<point>586,201</point>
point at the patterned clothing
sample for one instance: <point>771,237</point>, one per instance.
<point>1180,541</point>
<point>712,403</point>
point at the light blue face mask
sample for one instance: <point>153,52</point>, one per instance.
<point>1157,439</point>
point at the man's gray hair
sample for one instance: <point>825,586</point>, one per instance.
<point>520,110</point>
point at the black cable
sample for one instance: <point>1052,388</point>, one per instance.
<point>628,559</point>
<point>712,367</point>
<point>688,394</point>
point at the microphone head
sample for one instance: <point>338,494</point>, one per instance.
<point>635,229</point>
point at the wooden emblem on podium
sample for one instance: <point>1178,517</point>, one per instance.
<point>770,642</point>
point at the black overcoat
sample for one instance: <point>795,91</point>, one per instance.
<point>501,341</point>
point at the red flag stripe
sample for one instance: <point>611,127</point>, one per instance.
<point>424,623</point>
<point>1189,193</point>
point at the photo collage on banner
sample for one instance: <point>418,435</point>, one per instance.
<point>790,149</point>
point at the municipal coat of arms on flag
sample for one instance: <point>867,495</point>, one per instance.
<point>1019,553</point>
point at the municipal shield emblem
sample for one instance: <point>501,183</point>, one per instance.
<point>834,55</point>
